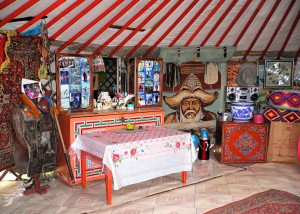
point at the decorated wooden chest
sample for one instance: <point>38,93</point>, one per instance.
<point>241,142</point>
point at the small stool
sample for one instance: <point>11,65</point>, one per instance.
<point>107,176</point>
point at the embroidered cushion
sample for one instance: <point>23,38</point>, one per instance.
<point>285,99</point>
<point>282,115</point>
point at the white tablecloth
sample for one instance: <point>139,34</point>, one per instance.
<point>139,155</point>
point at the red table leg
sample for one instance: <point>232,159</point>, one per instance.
<point>184,175</point>
<point>83,169</point>
<point>108,183</point>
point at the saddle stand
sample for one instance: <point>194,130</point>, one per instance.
<point>37,188</point>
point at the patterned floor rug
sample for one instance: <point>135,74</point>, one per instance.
<point>271,201</point>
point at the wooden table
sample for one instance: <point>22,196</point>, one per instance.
<point>135,156</point>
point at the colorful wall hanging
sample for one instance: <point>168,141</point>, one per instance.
<point>24,63</point>
<point>190,101</point>
<point>4,44</point>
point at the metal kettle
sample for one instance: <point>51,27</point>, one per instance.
<point>224,116</point>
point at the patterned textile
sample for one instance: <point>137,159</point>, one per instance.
<point>24,63</point>
<point>148,153</point>
<point>271,201</point>
<point>233,71</point>
<point>274,114</point>
<point>285,99</point>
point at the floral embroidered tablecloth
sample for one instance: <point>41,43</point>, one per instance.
<point>137,156</point>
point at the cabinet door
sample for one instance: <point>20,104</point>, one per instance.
<point>244,143</point>
<point>74,82</point>
<point>148,82</point>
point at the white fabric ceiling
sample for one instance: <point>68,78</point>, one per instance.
<point>285,31</point>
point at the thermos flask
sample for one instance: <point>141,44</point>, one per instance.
<point>204,145</point>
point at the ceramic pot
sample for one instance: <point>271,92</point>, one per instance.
<point>242,112</point>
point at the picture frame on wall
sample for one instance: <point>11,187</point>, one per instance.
<point>278,73</point>
<point>147,81</point>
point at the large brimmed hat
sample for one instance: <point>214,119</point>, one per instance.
<point>191,87</point>
<point>247,74</point>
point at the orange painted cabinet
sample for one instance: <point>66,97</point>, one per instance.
<point>83,122</point>
<point>239,142</point>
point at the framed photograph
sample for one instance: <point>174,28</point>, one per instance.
<point>278,74</point>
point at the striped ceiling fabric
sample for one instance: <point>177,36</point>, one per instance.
<point>125,28</point>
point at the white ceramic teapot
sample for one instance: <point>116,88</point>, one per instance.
<point>105,99</point>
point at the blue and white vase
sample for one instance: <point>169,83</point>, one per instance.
<point>242,112</point>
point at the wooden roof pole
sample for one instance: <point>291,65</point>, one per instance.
<point>240,13</point>
<point>17,12</point>
<point>66,11</point>
<point>75,19</point>
<point>289,35</point>
<point>262,27</point>
<point>218,22</point>
<point>185,12</point>
<point>39,16</point>
<point>173,9</point>
<point>137,15</point>
<point>5,3</point>
<point>262,2</point>
<point>190,23</point>
<point>114,19</point>
<point>277,29</point>
<point>211,14</point>
<point>91,24</point>
<point>161,6</point>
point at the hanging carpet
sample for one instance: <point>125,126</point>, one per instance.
<point>24,63</point>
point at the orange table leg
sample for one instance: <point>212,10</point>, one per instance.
<point>108,183</point>
<point>184,175</point>
<point>83,169</point>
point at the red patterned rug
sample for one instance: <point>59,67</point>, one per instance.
<point>24,63</point>
<point>271,201</point>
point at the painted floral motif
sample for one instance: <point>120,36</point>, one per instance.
<point>126,151</point>
<point>131,151</point>
<point>176,145</point>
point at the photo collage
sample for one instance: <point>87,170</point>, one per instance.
<point>74,82</point>
<point>148,82</point>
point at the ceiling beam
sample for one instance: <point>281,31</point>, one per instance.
<point>277,29</point>
<point>190,23</point>
<point>75,19</point>
<point>17,12</point>
<point>262,27</point>
<point>91,24</point>
<point>164,18</point>
<point>185,12</point>
<point>240,13</point>
<point>159,8</point>
<point>289,36</point>
<point>65,12</point>
<point>137,15</point>
<point>101,30</point>
<point>242,33</point>
<point>218,23</point>
<point>205,21</point>
<point>5,3</point>
<point>39,16</point>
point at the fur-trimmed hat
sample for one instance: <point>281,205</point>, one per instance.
<point>190,88</point>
